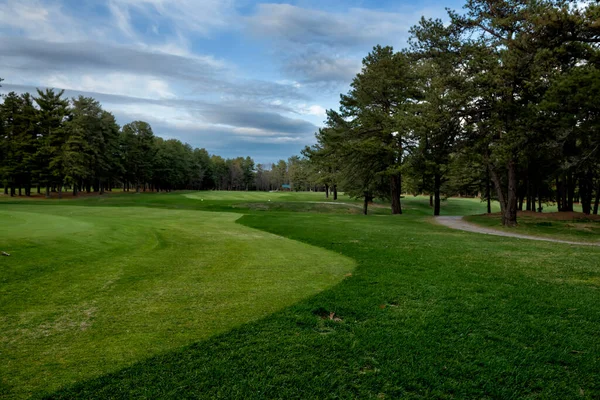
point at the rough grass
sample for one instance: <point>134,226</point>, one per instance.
<point>576,227</point>
<point>429,312</point>
<point>87,290</point>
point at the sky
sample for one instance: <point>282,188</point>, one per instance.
<point>237,77</point>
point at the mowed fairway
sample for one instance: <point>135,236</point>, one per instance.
<point>89,290</point>
<point>197,295</point>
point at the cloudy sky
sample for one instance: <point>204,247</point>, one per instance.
<point>237,77</point>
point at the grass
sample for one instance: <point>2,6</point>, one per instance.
<point>576,227</point>
<point>89,290</point>
<point>427,312</point>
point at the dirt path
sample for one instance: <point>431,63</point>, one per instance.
<point>460,224</point>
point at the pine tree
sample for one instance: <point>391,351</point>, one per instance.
<point>53,113</point>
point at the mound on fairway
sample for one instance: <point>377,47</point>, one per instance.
<point>88,290</point>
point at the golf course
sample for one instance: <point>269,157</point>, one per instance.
<point>290,295</point>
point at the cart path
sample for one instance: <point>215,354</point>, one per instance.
<point>460,224</point>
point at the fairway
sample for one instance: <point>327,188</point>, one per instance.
<point>258,196</point>
<point>87,291</point>
<point>221,295</point>
<point>300,200</point>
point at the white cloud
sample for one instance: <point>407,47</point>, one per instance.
<point>122,84</point>
<point>316,67</point>
<point>351,28</point>
<point>273,140</point>
<point>315,110</point>
<point>121,18</point>
<point>200,16</point>
<point>140,58</point>
<point>35,20</point>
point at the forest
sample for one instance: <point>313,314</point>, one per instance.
<point>501,102</point>
<point>51,142</point>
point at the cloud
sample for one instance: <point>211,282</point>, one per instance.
<point>315,110</point>
<point>121,84</point>
<point>324,49</point>
<point>36,20</point>
<point>189,67</point>
<point>239,119</point>
<point>354,27</point>
<point>316,67</point>
<point>200,16</point>
<point>70,64</point>
<point>244,116</point>
<point>37,55</point>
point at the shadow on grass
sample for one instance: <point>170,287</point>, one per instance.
<point>424,315</point>
<point>259,359</point>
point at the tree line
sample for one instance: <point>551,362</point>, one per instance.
<point>502,101</point>
<point>52,142</point>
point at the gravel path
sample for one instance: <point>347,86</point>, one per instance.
<point>460,224</point>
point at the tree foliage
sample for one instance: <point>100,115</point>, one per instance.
<point>503,97</point>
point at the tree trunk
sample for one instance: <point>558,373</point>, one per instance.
<point>431,200</point>
<point>39,189</point>
<point>395,192</point>
<point>597,202</point>
<point>326,191</point>
<point>47,190</point>
<point>488,191</point>
<point>366,203</point>
<point>563,195</point>
<point>20,192</point>
<point>535,194</point>
<point>570,191</point>
<point>334,192</point>
<point>12,190</point>
<point>137,187</point>
<point>508,202</point>
<point>529,206</point>
<point>585,192</point>
<point>521,200</point>
<point>559,195</point>
<point>74,189</point>
<point>60,187</point>
<point>436,193</point>
<point>101,184</point>
<point>499,191</point>
<point>510,213</point>
<point>6,188</point>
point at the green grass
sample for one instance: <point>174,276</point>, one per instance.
<point>579,229</point>
<point>89,290</point>
<point>243,202</point>
<point>428,312</point>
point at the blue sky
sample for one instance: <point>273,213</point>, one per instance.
<point>237,77</point>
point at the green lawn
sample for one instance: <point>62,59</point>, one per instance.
<point>88,290</point>
<point>366,307</point>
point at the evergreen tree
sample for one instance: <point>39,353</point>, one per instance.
<point>52,116</point>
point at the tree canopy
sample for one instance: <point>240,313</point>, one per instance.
<point>504,96</point>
